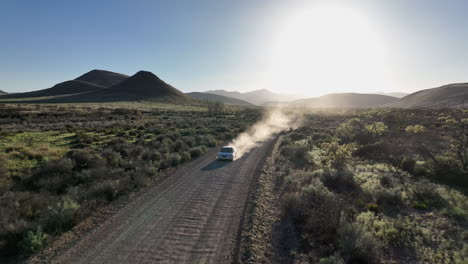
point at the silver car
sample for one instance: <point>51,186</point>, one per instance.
<point>227,153</point>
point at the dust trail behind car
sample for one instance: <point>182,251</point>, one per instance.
<point>275,121</point>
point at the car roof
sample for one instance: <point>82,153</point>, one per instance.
<point>228,147</point>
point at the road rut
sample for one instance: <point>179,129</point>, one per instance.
<point>193,216</point>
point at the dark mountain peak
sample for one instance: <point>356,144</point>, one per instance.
<point>146,84</point>
<point>146,75</point>
<point>102,77</point>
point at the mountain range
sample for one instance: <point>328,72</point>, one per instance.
<point>257,97</point>
<point>218,98</point>
<point>345,100</point>
<point>106,86</point>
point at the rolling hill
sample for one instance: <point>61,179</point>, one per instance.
<point>94,80</point>
<point>2,92</point>
<point>451,95</point>
<point>345,100</point>
<point>218,98</point>
<point>395,94</point>
<point>257,97</point>
<point>64,88</point>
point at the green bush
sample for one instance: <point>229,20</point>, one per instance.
<point>61,217</point>
<point>333,259</point>
<point>185,156</point>
<point>316,211</point>
<point>338,180</point>
<point>427,193</point>
<point>34,241</point>
<point>196,152</point>
<point>175,159</point>
<point>297,155</point>
<point>358,245</point>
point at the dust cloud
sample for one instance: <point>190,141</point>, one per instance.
<point>273,122</point>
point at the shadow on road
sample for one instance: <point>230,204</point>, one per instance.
<point>216,164</point>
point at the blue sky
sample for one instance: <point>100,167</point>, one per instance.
<point>203,45</point>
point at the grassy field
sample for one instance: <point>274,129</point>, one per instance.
<point>381,186</point>
<point>59,163</point>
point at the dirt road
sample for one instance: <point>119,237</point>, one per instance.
<point>193,216</point>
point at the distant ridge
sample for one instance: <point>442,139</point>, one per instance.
<point>395,94</point>
<point>2,92</point>
<point>102,78</point>
<point>451,95</point>
<point>257,97</point>
<point>345,100</point>
<point>218,98</point>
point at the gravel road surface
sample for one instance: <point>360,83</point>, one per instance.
<point>192,216</point>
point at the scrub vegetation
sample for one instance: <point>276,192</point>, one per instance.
<point>59,163</point>
<point>380,186</point>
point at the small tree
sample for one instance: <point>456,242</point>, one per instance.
<point>215,108</point>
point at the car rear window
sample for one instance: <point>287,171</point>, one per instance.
<point>228,150</point>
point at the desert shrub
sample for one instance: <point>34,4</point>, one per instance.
<point>297,155</point>
<point>166,145</point>
<point>84,159</point>
<point>196,152</point>
<point>207,141</point>
<point>426,193</point>
<point>399,232</point>
<point>112,158</point>
<point>185,156</point>
<point>449,171</point>
<point>107,190</point>
<point>175,159</point>
<point>34,241</point>
<point>134,152</point>
<point>416,129</point>
<point>333,259</point>
<point>295,136</point>
<point>358,245</point>
<point>54,176</point>
<point>351,130</point>
<point>83,139</point>
<point>316,212</point>
<point>5,180</point>
<point>376,128</point>
<point>180,146</point>
<point>390,196</point>
<point>338,180</point>
<point>139,179</point>
<point>61,217</point>
<point>338,155</point>
<point>408,165</point>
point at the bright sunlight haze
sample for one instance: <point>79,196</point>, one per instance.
<point>326,49</point>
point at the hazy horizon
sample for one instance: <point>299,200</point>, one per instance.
<point>306,48</point>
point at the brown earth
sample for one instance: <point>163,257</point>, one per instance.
<point>192,216</point>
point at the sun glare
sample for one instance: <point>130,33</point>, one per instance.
<point>327,49</point>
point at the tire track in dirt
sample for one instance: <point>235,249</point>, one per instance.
<point>192,216</point>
